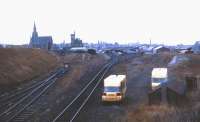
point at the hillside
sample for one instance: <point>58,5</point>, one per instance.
<point>19,64</point>
<point>166,113</point>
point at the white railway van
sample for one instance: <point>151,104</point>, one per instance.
<point>158,77</point>
<point>114,88</point>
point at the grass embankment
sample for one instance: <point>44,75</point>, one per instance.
<point>20,64</point>
<point>80,65</point>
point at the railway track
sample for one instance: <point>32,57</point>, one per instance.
<point>8,100</point>
<point>73,109</point>
<point>7,96</point>
<point>19,105</point>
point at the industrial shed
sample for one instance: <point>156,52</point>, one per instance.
<point>196,47</point>
<point>161,49</point>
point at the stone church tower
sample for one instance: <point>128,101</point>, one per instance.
<point>42,42</point>
<point>34,37</point>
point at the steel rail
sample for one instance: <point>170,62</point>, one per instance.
<point>88,97</point>
<point>25,97</point>
<point>33,100</point>
<point>103,70</point>
<point>26,89</point>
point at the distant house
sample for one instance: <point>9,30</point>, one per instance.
<point>196,47</point>
<point>160,49</point>
<point>183,49</point>
<point>42,42</point>
<point>147,49</point>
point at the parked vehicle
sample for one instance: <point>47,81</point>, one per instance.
<point>79,49</point>
<point>114,88</point>
<point>92,51</point>
<point>158,77</point>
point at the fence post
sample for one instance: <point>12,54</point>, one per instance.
<point>191,83</point>
<point>155,96</point>
<point>198,80</point>
<point>164,93</point>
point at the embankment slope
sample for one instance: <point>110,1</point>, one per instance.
<point>20,64</point>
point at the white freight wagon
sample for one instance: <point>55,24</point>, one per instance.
<point>79,49</point>
<point>158,77</point>
<point>114,88</point>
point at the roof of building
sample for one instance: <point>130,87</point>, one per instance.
<point>156,48</point>
<point>178,87</point>
<point>114,80</point>
<point>197,42</point>
<point>183,47</point>
<point>159,47</point>
<point>44,38</point>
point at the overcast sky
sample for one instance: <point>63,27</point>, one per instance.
<point>123,21</point>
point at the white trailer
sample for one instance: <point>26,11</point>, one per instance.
<point>114,88</point>
<point>158,77</point>
<point>79,49</point>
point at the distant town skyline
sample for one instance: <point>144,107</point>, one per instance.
<point>167,22</point>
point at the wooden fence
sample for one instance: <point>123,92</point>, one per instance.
<point>172,97</point>
<point>155,97</point>
<point>191,83</point>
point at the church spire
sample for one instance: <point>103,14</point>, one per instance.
<point>34,28</point>
<point>35,33</point>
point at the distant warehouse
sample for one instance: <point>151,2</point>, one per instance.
<point>1,46</point>
<point>161,49</point>
<point>42,42</point>
<point>196,47</point>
